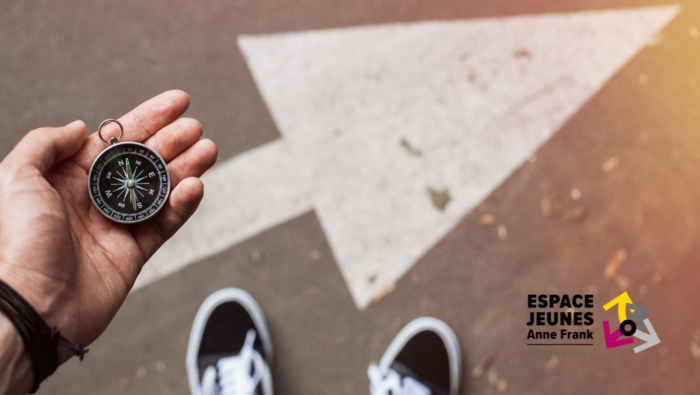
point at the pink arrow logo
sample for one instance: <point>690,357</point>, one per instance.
<point>613,339</point>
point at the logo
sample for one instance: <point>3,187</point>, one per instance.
<point>558,320</point>
<point>630,326</point>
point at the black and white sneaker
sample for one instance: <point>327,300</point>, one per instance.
<point>424,358</point>
<point>229,351</point>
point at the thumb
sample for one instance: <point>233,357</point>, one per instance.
<point>42,148</point>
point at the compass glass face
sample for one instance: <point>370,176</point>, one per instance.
<point>129,182</point>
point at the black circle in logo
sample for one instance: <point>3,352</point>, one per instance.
<point>624,324</point>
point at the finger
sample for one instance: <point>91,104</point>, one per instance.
<point>184,200</point>
<point>140,123</point>
<point>154,114</point>
<point>44,147</point>
<point>197,159</point>
<point>175,138</point>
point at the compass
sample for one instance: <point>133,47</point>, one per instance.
<point>128,182</point>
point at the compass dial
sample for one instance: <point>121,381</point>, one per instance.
<point>129,182</point>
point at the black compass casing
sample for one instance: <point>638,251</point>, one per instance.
<point>129,182</point>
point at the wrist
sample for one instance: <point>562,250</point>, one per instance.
<point>40,341</point>
<point>15,366</point>
<point>44,304</point>
<point>33,288</point>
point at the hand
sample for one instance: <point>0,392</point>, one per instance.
<point>73,265</point>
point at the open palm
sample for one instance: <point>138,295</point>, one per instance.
<point>56,249</point>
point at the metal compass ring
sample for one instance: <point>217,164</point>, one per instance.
<point>113,139</point>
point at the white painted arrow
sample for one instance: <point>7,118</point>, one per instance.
<point>477,98</point>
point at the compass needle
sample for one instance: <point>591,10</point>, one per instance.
<point>133,198</point>
<point>128,170</point>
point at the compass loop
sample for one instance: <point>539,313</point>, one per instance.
<point>112,140</point>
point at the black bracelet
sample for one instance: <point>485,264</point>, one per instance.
<point>39,339</point>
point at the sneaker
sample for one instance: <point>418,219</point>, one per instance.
<point>424,358</point>
<point>229,351</point>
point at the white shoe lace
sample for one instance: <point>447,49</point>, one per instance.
<point>390,382</point>
<point>239,374</point>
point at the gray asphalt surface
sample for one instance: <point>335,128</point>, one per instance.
<point>96,60</point>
